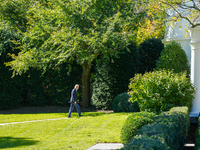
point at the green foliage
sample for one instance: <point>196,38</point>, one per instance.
<point>11,89</point>
<point>173,57</point>
<point>112,78</point>
<point>133,123</point>
<point>161,90</point>
<point>197,136</point>
<point>149,52</point>
<point>121,104</point>
<point>15,11</point>
<point>60,31</point>
<point>183,118</point>
<point>53,87</point>
<point>169,128</point>
<point>33,88</point>
<point>57,31</point>
<point>144,142</point>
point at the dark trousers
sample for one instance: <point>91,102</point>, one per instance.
<point>72,107</point>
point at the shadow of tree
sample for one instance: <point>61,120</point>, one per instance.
<point>10,142</point>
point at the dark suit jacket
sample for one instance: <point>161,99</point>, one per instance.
<point>73,96</point>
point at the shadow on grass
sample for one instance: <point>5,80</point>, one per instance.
<point>11,142</point>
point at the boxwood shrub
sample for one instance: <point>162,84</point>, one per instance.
<point>169,128</point>
<point>122,104</point>
<point>133,123</point>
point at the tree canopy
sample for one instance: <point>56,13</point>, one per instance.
<point>58,31</point>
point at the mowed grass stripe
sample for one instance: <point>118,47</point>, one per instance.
<point>74,133</point>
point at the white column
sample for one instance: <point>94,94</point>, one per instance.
<point>195,68</point>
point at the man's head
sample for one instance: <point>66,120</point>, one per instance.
<point>76,86</point>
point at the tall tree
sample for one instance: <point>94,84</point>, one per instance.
<point>58,31</point>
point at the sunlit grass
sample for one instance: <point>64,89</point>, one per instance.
<point>74,133</point>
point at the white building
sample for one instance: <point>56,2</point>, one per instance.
<point>191,46</point>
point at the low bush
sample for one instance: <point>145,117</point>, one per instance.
<point>133,123</point>
<point>159,91</point>
<point>170,128</point>
<point>121,104</point>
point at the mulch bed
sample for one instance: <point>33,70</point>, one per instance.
<point>60,109</point>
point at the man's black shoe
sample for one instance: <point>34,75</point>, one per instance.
<point>69,116</point>
<point>80,116</point>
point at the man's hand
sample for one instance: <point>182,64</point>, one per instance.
<point>75,102</point>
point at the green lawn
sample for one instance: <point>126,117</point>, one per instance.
<point>74,133</point>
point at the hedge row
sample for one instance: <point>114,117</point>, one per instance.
<point>134,123</point>
<point>168,131</point>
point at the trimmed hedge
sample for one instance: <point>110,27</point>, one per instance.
<point>122,104</point>
<point>169,130</point>
<point>183,118</point>
<point>133,123</point>
<point>145,143</point>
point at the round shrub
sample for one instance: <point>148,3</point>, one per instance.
<point>173,57</point>
<point>149,52</point>
<point>112,76</point>
<point>133,123</point>
<point>161,90</point>
<point>121,104</point>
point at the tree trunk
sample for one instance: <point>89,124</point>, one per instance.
<point>86,84</point>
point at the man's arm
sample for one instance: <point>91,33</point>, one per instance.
<point>75,95</point>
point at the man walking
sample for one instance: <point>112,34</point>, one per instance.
<point>74,101</point>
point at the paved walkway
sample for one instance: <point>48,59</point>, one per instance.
<point>106,146</point>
